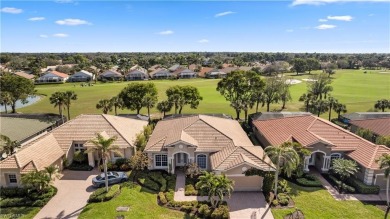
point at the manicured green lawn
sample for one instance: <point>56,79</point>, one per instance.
<point>142,202</point>
<point>357,90</point>
<point>318,203</point>
<point>19,212</point>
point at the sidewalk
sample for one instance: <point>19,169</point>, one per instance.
<point>179,190</point>
<point>350,197</point>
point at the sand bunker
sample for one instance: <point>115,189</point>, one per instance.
<point>293,81</point>
<point>384,72</point>
<point>308,79</point>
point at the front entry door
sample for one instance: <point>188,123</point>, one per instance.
<point>181,159</point>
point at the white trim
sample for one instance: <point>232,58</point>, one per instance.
<point>318,151</point>
<point>181,142</point>
<point>197,161</point>
<point>251,165</point>
<point>160,167</point>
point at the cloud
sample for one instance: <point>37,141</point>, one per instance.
<point>11,10</point>
<point>340,18</point>
<point>203,41</point>
<point>43,36</point>
<point>289,30</point>
<point>166,32</point>
<point>322,2</point>
<point>325,26</point>
<point>36,19</point>
<point>61,35</point>
<point>224,13</point>
<point>72,22</point>
<point>322,20</point>
<point>64,1</point>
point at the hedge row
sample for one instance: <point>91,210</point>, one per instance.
<point>309,180</point>
<point>341,187</point>
<point>21,197</point>
<point>363,188</point>
<point>100,195</point>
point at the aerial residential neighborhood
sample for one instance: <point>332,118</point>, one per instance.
<point>195,109</point>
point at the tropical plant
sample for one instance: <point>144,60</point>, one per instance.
<point>58,100</point>
<point>138,162</point>
<point>104,145</point>
<point>383,140</point>
<point>79,156</point>
<point>319,85</point>
<point>307,99</point>
<point>285,158</point>
<point>344,169</point>
<point>340,108</point>
<point>320,106</point>
<point>37,180</point>
<point>105,105</point>
<point>164,107</point>
<point>332,102</point>
<point>7,145</point>
<point>117,102</point>
<point>216,187</point>
<point>52,171</point>
<point>5,100</point>
<point>180,96</point>
<point>382,104</point>
<point>69,96</point>
<point>149,101</point>
<point>384,164</point>
<point>192,169</point>
<point>285,94</point>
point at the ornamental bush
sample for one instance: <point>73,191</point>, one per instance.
<point>363,188</point>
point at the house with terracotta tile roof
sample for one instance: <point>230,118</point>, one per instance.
<point>63,141</point>
<point>82,76</point>
<point>137,74</point>
<point>379,126</point>
<point>187,73</point>
<point>52,77</point>
<point>25,75</point>
<point>214,143</point>
<point>326,141</point>
<point>111,75</point>
<point>161,73</point>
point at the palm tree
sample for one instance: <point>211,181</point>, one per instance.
<point>215,186</point>
<point>164,106</point>
<point>117,103</point>
<point>285,158</point>
<point>384,164</point>
<point>52,171</point>
<point>382,104</point>
<point>7,145</point>
<point>5,99</point>
<point>320,106</point>
<point>104,104</point>
<point>332,102</point>
<point>149,101</point>
<point>69,96</point>
<point>306,99</point>
<point>58,99</point>
<point>104,146</point>
<point>344,169</point>
<point>340,108</point>
<point>38,180</point>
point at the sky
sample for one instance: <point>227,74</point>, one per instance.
<point>330,26</point>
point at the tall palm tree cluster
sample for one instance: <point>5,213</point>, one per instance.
<point>7,146</point>
<point>106,105</point>
<point>63,100</point>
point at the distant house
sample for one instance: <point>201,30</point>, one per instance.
<point>227,70</point>
<point>216,73</point>
<point>174,67</point>
<point>187,73</point>
<point>154,68</point>
<point>245,68</point>
<point>203,71</point>
<point>346,118</point>
<point>161,73</point>
<point>25,75</point>
<point>379,126</point>
<point>52,77</point>
<point>111,75</point>
<point>137,74</point>
<point>81,76</point>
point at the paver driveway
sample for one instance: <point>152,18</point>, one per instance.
<point>249,205</point>
<point>74,189</point>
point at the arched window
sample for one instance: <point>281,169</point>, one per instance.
<point>201,160</point>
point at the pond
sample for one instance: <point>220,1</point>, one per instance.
<point>19,104</point>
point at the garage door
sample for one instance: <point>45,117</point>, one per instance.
<point>247,183</point>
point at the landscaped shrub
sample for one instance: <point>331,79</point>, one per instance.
<point>20,197</point>
<point>80,167</point>
<point>347,189</point>
<point>283,187</point>
<point>363,188</point>
<point>186,208</point>
<point>190,190</point>
<point>171,182</point>
<point>222,212</point>
<point>148,183</point>
<point>162,198</point>
<point>159,178</point>
<point>275,202</point>
<point>341,187</point>
<point>13,192</point>
<point>128,184</point>
<point>203,209</point>
<point>283,199</point>
<point>100,195</point>
<point>308,183</point>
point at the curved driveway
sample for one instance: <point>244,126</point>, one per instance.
<point>74,189</point>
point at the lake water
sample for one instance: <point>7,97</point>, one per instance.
<point>19,104</point>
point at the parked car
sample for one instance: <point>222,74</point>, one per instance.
<point>113,177</point>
